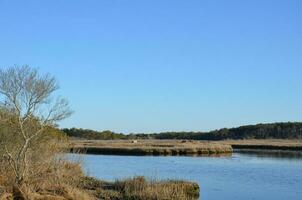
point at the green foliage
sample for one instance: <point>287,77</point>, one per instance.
<point>93,135</point>
<point>260,131</point>
<point>289,130</point>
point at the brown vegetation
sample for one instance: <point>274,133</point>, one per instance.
<point>138,188</point>
<point>32,163</point>
<point>181,147</point>
<point>268,144</point>
<point>48,176</point>
<point>27,112</point>
<point>67,182</point>
<point>151,147</point>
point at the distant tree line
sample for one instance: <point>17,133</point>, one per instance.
<point>93,135</point>
<point>287,130</point>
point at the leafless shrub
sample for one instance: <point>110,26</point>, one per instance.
<point>27,112</point>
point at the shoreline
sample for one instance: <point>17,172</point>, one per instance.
<point>140,152</point>
<point>182,147</point>
<point>266,147</point>
<point>150,147</point>
<point>265,144</point>
<point>141,188</point>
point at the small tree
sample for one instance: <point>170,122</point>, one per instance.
<point>28,109</point>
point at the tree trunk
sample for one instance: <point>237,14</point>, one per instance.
<point>18,194</point>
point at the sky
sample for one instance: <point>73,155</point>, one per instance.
<point>148,66</point>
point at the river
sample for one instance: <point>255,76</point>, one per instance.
<point>240,176</point>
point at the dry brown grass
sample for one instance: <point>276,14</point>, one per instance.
<point>182,147</point>
<point>151,147</point>
<point>48,175</point>
<point>267,144</point>
<point>138,188</point>
<point>277,142</point>
<point>58,179</point>
<point>61,182</point>
<point>72,184</point>
<point>51,177</point>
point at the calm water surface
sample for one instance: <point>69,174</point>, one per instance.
<point>241,176</point>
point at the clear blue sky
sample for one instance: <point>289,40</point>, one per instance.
<point>159,65</point>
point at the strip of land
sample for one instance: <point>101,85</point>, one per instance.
<point>150,147</point>
<point>267,144</point>
<point>181,147</point>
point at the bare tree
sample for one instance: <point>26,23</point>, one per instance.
<point>26,100</point>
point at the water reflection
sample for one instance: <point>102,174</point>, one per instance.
<point>272,154</point>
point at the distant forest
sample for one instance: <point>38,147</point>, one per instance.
<point>287,130</point>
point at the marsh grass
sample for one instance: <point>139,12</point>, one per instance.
<point>267,144</point>
<point>50,182</point>
<point>150,147</point>
<point>138,188</point>
<point>58,179</point>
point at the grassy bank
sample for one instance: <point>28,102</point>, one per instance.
<point>181,147</point>
<point>139,188</point>
<point>76,186</point>
<point>150,147</point>
<point>268,144</point>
